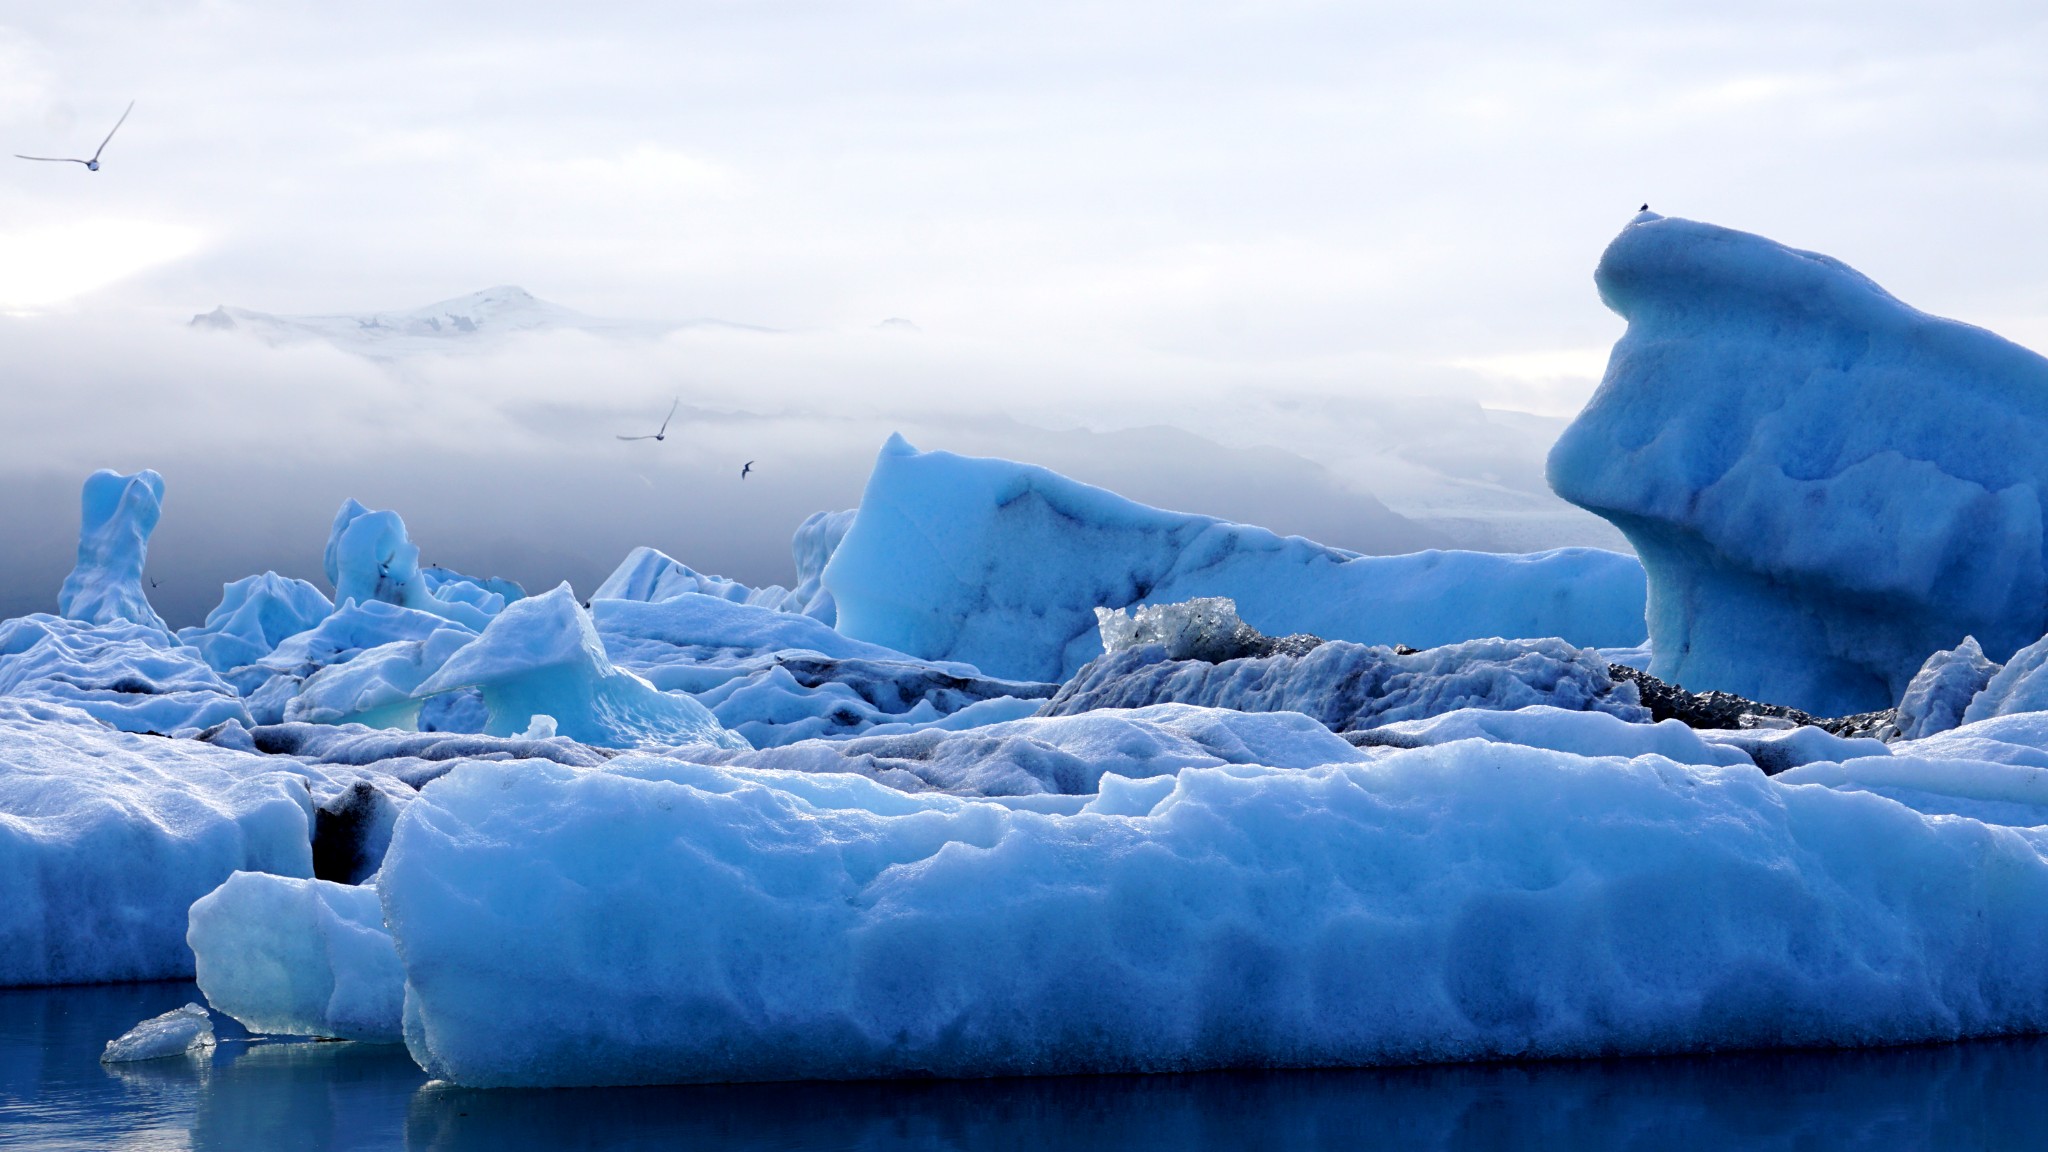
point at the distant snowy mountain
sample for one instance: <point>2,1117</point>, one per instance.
<point>478,320</point>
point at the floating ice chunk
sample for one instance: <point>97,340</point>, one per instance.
<point>2020,686</point>
<point>1941,691</point>
<point>1064,755</point>
<point>117,515</point>
<point>1350,687</point>
<point>541,655</point>
<point>541,727</point>
<point>299,957</point>
<point>1002,565</point>
<point>106,839</point>
<point>376,687</point>
<point>1205,628</point>
<point>1824,483</point>
<point>181,1030</point>
<point>1466,901</point>
<point>132,676</point>
<point>255,613</point>
<point>776,677</point>
<point>369,557</point>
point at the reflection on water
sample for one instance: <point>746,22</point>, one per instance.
<point>265,1094</point>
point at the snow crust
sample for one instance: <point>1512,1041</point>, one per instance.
<point>1063,755</point>
<point>117,515</point>
<point>1002,565</point>
<point>1824,484</point>
<point>131,676</point>
<point>181,1030</point>
<point>542,656</point>
<point>1350,687</point>
<point>106,839</point>
<point>299,957</point>
<point>1464,901</point>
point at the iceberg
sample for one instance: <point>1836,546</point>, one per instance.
<point>131,676</point>
<point>659,921</point>
<point>272,683</point>
<point>2020,686</point>
<point>370,557</point>
<point>181,1030</point>
<point>298,957</point>
<point>541,656</point>
<point>106,838</point>
<point>1002,566</point>
<point>776,677</point>
<point>1824,484</point>
<point>255,614</point>
<point>376,687</point>
<point>651,576</point>
<point>118,514</point>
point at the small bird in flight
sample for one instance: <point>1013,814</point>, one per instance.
<point>1645,207</point>
<point>92,165</point>
<point>748,467</point>
<point>663,434</point>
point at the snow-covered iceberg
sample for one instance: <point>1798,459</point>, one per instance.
<point>776,677</point>
<point>651,576</point>
<point>117,515</point>
<point>662,921</point>
<point>1941,692</point>
<point>132,676</point>
<point>541,657</point>
<point>299,957</point>
<point>106,839</point>
<point>370,557</point>
<point>1824,484</point>
<point>1002,566</point>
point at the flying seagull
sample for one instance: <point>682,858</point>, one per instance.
<point>1645,207</point>
<point>749,467</point>
<point>92,165</point>
<point>663,434</point>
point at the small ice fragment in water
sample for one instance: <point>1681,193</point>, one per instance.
<point>540,727</point>
<point>177,1031</point>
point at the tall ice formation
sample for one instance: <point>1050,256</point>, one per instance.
<point>117,514</point>
<point>1824,484</point>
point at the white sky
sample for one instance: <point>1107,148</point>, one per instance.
<point>1094,210</point>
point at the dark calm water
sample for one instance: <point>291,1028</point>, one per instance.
<point>257,1095</point>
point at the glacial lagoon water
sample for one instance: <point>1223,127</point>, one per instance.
<point>256,1094</point>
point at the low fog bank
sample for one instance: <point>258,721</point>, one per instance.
<point>506,460</point>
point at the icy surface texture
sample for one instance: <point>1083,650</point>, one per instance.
<point>649,575</point>
<point>132,676</point>
<point>777,677</point>
<point>1355,686</point>
<point>1459,902</point>
<point>1002,566</point>
<point>816,539</point>
<point>107,838</point>
<point>407,754</point>
<point>271,684</point>
<point>1824,484</point>
<point>174,1033</point>
<point>376,687</point>
<point>542,656</point>
<point>1541,726</point>
<point>1205,628</point>
<point>2020,739</point>
<point>2020,686</point>
<point>117,515</point>
<point>255,613</point>
<point>2013,795</point>
<point>370,557</point>
<point>1063,755</point>
<point>298,957</point>
<point>1942,690</point>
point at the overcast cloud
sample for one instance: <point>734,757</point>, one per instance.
<point>1265,223</point>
